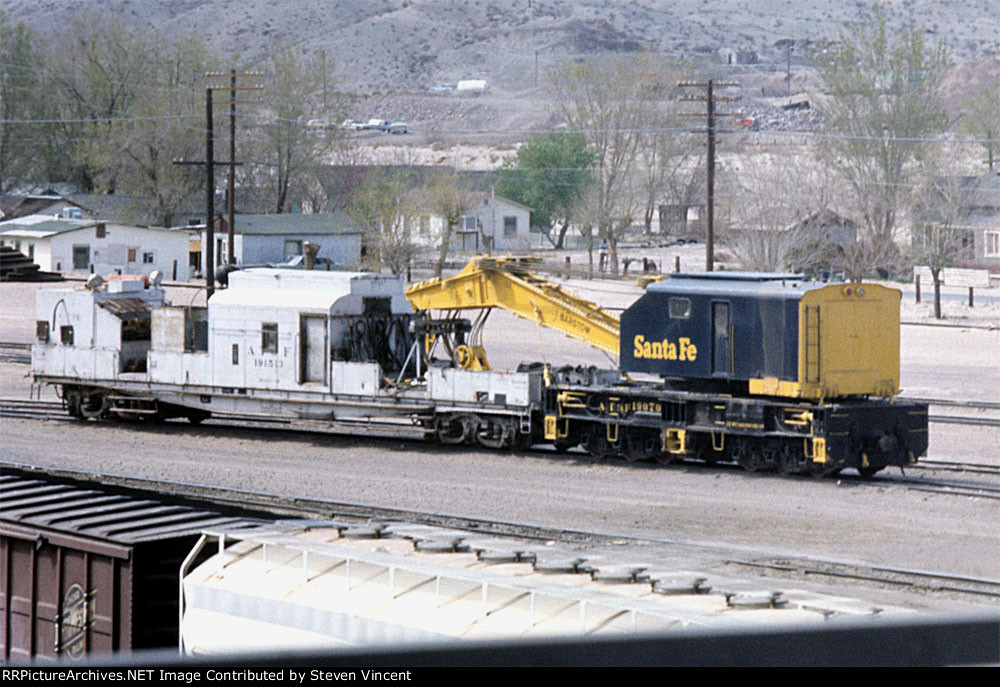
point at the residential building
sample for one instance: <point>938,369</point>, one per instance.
<point>59,244</point>
<point>272,239</point>
<point>491,224</point>
<point>981,216</point>
<point>113,207</point>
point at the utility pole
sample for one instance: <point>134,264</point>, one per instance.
<point>788,70</point>
<point>209,196</point>
<point>231,181</point>
<point>208,251</point>
<point>710,114</point>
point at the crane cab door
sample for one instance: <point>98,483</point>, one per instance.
<point>313,342</point>
<point>722,344</point>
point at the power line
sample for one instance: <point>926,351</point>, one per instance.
<point>433,131</point>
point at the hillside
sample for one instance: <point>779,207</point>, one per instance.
<point>410,45</point>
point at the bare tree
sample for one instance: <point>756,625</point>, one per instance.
<point>20,87</point>
<point>770,200</point>
<point>662,169</point>
<point>938,239</point>
<point>99,75</point>
<point>449,197</point>
<point>681,190</point>
<point>881,108</point>
<point>981,122</point>
<point>350,169</point>
<point>665,150</point>
<point>610,103</point>
<point>383,206</point>
<point>287,143</point>
<point>165,125</point>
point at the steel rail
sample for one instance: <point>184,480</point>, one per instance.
<point>55,411</point>
<point>956,466</point>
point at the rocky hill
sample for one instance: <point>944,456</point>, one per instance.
<point>384,46</point>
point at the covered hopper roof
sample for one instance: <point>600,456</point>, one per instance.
<point>67,510</point>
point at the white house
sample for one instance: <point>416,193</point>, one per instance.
<point>58,244</point>
<point>491,224</point>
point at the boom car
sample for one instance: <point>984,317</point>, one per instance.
<point>299,345</point>
<point>764,370</point>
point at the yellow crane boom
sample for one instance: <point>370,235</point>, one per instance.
<point>508,283</point>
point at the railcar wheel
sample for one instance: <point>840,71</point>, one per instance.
<point>196,419</point>
<point>791,462</point>
<point>820,470</point>
<point>497,433</point>
<point>451,430</point>
<point>638,447</point>
<point>598,446</point>
<point>750,457</point>
<point>94,405</point>
<point>868,472</point>
<point>665,457</point>
<point>72,400</point>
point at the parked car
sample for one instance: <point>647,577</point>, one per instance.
<point>377,125</point>
<point>352,125</point>
<point>397,128</point>
<point>298,262</point>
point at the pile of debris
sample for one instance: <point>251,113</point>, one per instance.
<point>788,114</point>
<point>16,266</point>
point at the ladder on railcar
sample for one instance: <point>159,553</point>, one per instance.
<point>812,351</point>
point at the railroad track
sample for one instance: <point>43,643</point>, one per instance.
<point>11,352</point>
<point>343,511</point>
<point>967,489</point>
<point>53,410</point>
<point>982,406</point>
<point>952,402</point>
<point>33,409</point>
<point>956,466</point>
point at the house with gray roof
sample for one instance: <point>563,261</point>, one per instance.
<point>490,224</point>
<point>981,216</point>
<point>112,207</point>
<point>272,239</point>
<point>971,206</point>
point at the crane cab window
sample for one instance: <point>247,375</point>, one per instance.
<point>680,308</point>
<point>269,337</point>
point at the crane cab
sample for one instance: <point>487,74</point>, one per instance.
<point>768,334</point>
